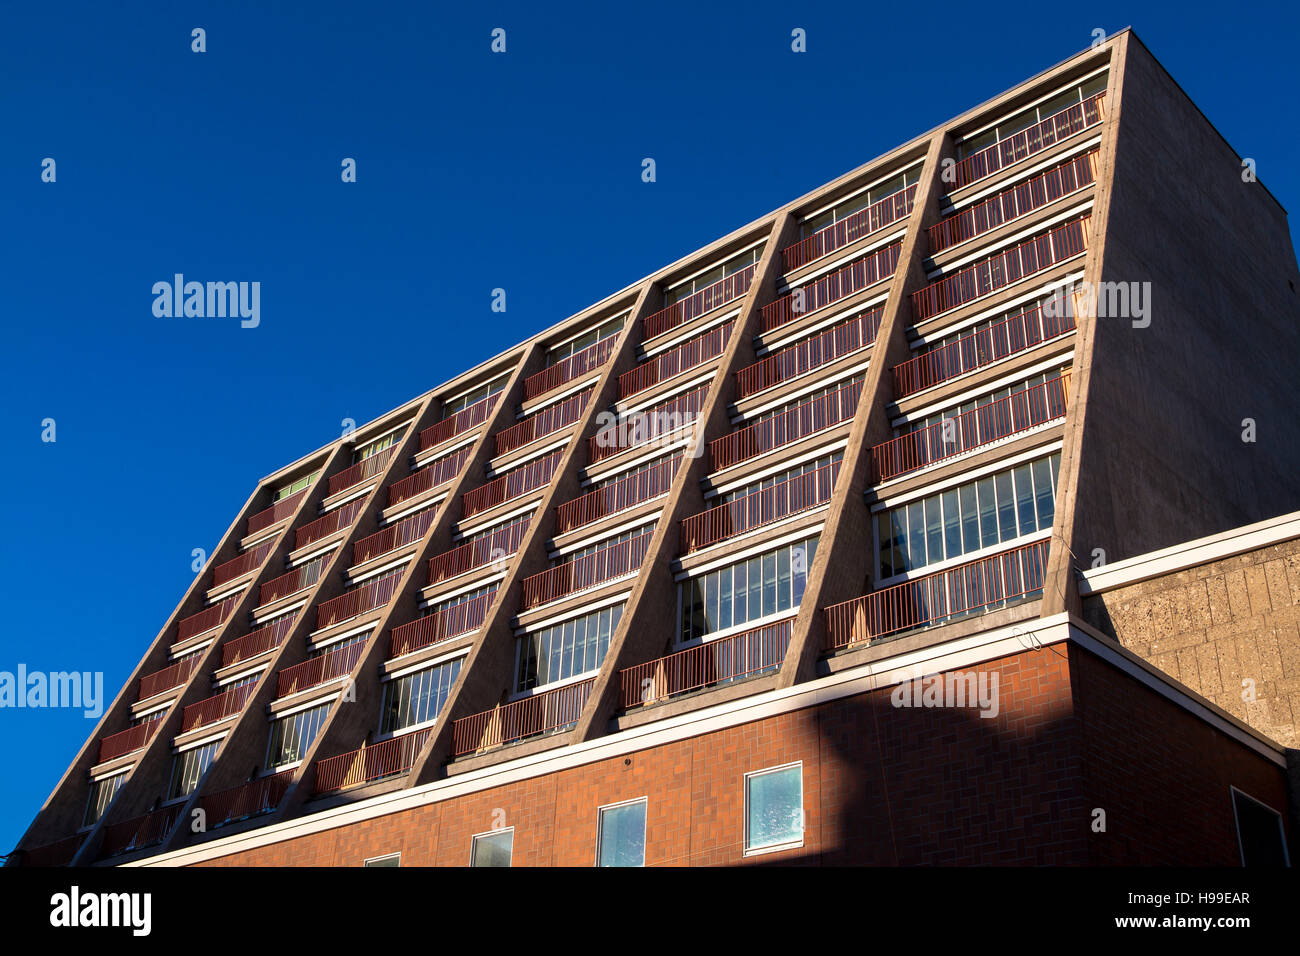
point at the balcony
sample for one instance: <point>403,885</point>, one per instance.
<point>327,524</point>
<point>1008,337</point>
<point>127,741</point>
<point>999,271</point>
<point>440,626</point>
<point>58,853</point>
<point>758,508</point>
<point>330,666</point>
<point>806,418</point>
<point>1015,202</point>
<point>575,366</point>
<point>829,289</point>
<point>802,357</point>
<point>389,758</point>
<point>397,535</point>
<point>170,677</point>
<point>256,642</point>
<point>373,594</point>
<point>276,513</point>
<point>219,707</point>
<point>514,483</point>
<point>994,421</point>
<point>500,544</point>
<point>363,470</point>
<point>430,476</point>
<point>626,492</point>
<point>241,565</point>
<point>849,230</point>
<point>207,619</point>
<point>682,358</point>
<point>144,831</point>
<point>299,579</point>
<point>711,297</point>
<point>246,800</point>
<point>548,421</point>
<point>545,712</point>
<point>1059,126</point>
<point>461,421</point>
<point>938,598</point>
<point>647,427</point>
<point>589,571</point>
<point>722,661</point>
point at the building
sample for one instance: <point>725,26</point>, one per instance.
<point>869,533</point>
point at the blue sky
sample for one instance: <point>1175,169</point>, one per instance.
<point>475,171</point>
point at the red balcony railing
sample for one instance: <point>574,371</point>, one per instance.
<point>829,289</point>
<point>363,470</point>
<point>603,564</point>
<point>938,598</point>
<point>637,429</point>
<point>500,544</point>
<point>541,713</point>
<point>397,535</point>
<point>980,426</point>
<point>693,352</point>
<point>711,297</point>
<point>549,420</point>
<point>246,800</point>
<point>331,665</point>
<point>717,662</point>
<point>1015,201</point>
<point>516,482</point>
<point>127,741</point>
<point>216,708</point>
<point>806,418</point>
<point>785,498</point>
<point>276,513</point>
<point>998,271</point>
<point>626,492</point>
<point>440,626</point>
<point>430,476</point>
<point>1011,335</point>
<point>58,853</point>
<point>206,619</point>
<point>1055,128</point>
<point>169,677</point>
<point>849,229</point>
<point>144,831</point>
<point>257,642</point>
<point>575,366</point>
<point>240,565</point>
<point>327,524</point>
<point>299,579</point>
<point>822,349</point>
<point>367,597</point>
<point>388,758</point>
<point>461,421</point>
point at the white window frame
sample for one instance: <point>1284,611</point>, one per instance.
<point>473,842</point>
<point>803,819</point>
<point>386,856</point>
<point>600,824</point>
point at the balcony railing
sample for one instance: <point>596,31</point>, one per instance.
<point>500,544</point>
<point>144,831</point>
<point>575,366</point>
<point>619,495</point>
<point>246,800</point>
<point>1058,126</point>
<point>257,642</point>
<point>240,565</point>
<point>1011,335</point>
<point>174,675</point>
<point>603,564</point>
<point>388,758</point>
<point>829,289</point>
<point>1016,413</point>
<point>1015,201</point>
<point>461,421</point>
<point>299,579</point>
<point>276,513</point>
<point>430,476</point>
<point>546,422</point>
<point>711,297</point>
<point>332,665</point>
<point>681,358</point>
<point>218,707</point>
<point>514,483</point>
<point>440,626</point>
<point>327,524</point>
<point>848,230</point>
<point>758,508</point>
<point>128,741</point>
<point>727,659</point>
<point>643,428</point>
<point>367,597</point>
<point>397,535</point>
<point>806,418</point>
<point>544,712</point>
<point>822,349</point>
<point>996,272</point>
<point>206,619</point>
<point>363,470</point>
<point>58,853</point>
<point>938,598</point>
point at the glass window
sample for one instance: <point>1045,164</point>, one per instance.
<point>747,591</point>
<point>293,487</point>
<point>492,849</point>
<point>187,767</point>
<point>392,859</point>
<point>621,839</point>
<point>564,650</point>
<point>416,698</point>
<point>774,807</point>
<point>101,795</point>
<point>291,736</point>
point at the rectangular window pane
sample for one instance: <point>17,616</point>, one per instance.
<point>1006,506</point>
<point>916,535</point>
<point>988,513</point>
<point>774,808</point>
<point>951,525</point>
<point>1043,493</point>
<point>970,520</point>
<point>493,849</point>
<point>933,529</point>
<point>1025,500</point>
<point>622,835</point>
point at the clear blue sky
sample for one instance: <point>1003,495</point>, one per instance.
<point>475,171</point>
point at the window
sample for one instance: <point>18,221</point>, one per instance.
<point>188,766</point>
<point>1260,836</point>
<point>293,487</point>
<point>1034,115</point>
<point>292,735</point>
<point>560,352</point>
<point>392,859</point>
<point>492,849</point>
<point>747,591</point>
<point>417,698</point>
<point>574,647</point>
<point>716,274</point>
<point>474,397</point>
<point>102,792</point>
<point>620,837</point>
<point>809,493</point>
<point>861,201</point>
<point>774,808</point>
<point>375,447</point>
